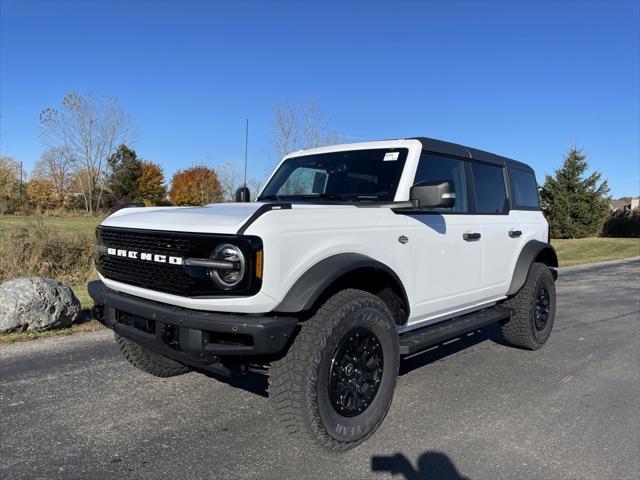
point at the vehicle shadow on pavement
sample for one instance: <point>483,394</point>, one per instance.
<point>257,383</point>
<point>451,347</point>
<point>431,466</point>
<point>252,382</point>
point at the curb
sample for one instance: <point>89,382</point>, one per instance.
<point>586,266</point>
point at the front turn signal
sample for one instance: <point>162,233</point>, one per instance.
<point>259,262</point>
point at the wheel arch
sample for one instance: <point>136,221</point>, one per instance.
<point>347,270</point>
<point>533,251</point>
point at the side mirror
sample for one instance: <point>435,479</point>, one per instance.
<point>438,194</point>
<point>243,195</point>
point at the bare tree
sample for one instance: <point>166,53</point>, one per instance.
<point>296,127</point>
<point>57,166</point>
<point>254,186</point>
<point>89,129</point>
<point>10,195</point>
<point>230,177</point>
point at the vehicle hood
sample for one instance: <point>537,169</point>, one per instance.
<point>225,218</point>
<point>218,218</point>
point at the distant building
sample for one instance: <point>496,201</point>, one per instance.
<point>625,203</point>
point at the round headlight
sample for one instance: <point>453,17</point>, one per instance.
<point>228,277</point>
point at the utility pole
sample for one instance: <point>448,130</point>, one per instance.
<point>20,182</point>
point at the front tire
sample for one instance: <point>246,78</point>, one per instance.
<point>149,361</point>
<point>336,382</point>
<point>533,310</point>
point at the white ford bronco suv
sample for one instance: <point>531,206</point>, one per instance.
<point>352,257</point>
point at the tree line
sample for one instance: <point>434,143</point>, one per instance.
<point>128,179</point>
<point>88,162</point>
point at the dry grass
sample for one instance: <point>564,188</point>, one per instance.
<point>40,247</point>
<point>37,249</point>
<point>87,326</point>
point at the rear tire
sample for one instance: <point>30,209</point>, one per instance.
<point>533,310</point>
<point>336,382</point>
<point>149,361</point>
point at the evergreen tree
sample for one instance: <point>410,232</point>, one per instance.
<point>126,168</point>
<point>575,206</point>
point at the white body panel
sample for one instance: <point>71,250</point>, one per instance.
<point>442,273</point>
<point>295,240</point>
<point>446,270</point>
<point>219,218</point>
<point>500,252</point>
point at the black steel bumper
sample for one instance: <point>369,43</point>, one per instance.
<point>190,335</point>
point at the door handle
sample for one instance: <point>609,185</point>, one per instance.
<point>515,233</point>
<point>470,237</point>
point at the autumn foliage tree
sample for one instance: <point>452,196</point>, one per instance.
<point>151,185</point>
<point>41,193</point>
<point>197,185</point>
<point>56,167</point>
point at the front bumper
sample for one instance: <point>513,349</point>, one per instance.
<point>190,335</point>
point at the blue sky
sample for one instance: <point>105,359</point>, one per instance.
<point>525,80</point>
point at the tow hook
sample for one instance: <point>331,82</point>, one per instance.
<point>170,336</point>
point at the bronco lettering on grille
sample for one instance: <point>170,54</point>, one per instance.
<point>150,257</point>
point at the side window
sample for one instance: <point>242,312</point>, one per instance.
<point>524,188</point>
<point>432,168</point>
<point>491,195</point>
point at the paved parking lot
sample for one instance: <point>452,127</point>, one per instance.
<point>71,408</point>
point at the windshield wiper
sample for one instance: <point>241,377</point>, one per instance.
<point>321,196</point>
<point>269,197</point>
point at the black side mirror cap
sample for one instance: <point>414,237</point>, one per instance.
<point>438,194</point>
<point>243,195</point>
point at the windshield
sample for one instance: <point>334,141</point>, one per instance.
<point>356,175</point>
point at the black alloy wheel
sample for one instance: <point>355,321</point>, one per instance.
<point>542,308</point>
<point>356,372</point>
<point>335,384</point>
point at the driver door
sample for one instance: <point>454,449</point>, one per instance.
<point>447,262</point>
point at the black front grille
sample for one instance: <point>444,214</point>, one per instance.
<point>177,244</point>
<point>155,275</point>
<point>170,278</point>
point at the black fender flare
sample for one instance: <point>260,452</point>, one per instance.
<point>532,250</point>
<point>315,281</point>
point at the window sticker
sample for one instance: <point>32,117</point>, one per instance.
<point>391,156</point>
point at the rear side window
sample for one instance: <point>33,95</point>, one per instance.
<point>432,168</point>
<point>524,188</point>
<point>491,196</point>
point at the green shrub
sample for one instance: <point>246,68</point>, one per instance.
<point>622,224</point>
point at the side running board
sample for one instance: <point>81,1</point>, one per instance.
<point>422,338</point>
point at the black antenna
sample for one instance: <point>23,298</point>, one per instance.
<point>246,149</point>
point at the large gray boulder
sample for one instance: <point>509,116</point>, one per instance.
<point>36,303</point>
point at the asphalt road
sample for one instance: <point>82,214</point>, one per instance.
<point>72,408</point>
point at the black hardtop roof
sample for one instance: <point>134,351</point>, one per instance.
<point>447,148</point>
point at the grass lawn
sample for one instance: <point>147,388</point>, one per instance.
<point>596,249</point>
<point>70,225</point>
